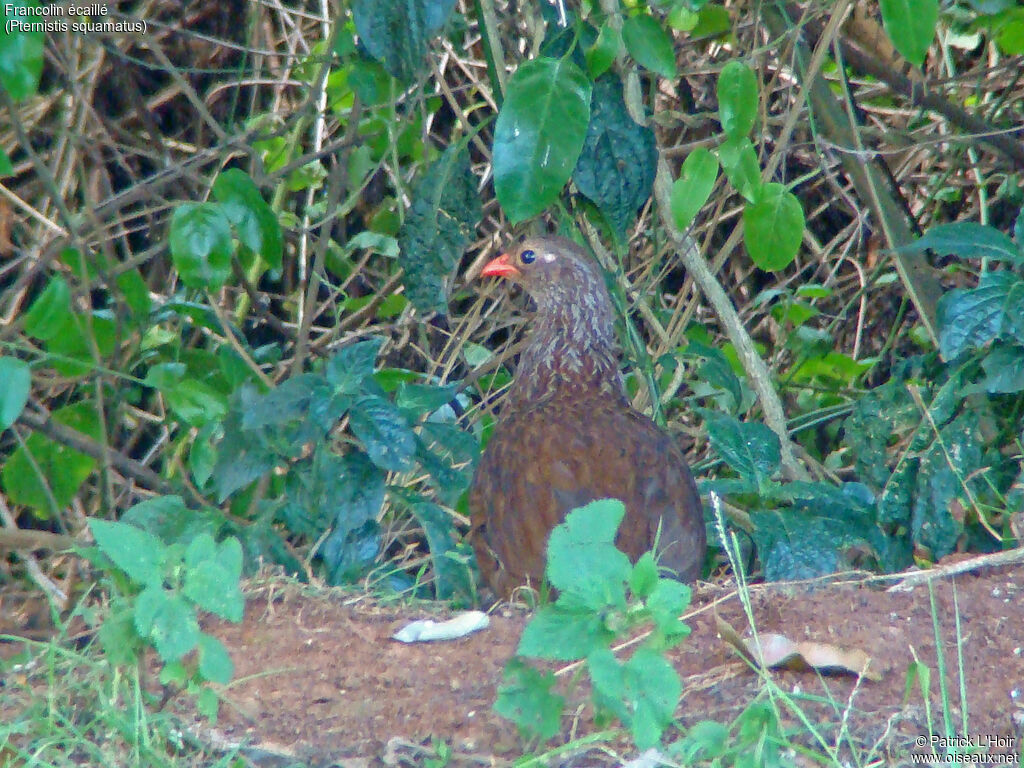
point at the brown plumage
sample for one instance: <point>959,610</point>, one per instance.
<point>567,434</point>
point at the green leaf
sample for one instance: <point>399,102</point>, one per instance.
<point>50,313</point>
<point>355,499</point>
<point>587,536</point>
<point>910,25</point>
<point>168,621</point>
<point>539,134</point>
<point>15,382</point>
<point>385,435</point>
<point>136,294</point>
<point>21,52</point>
<point>72,346</point>
<point>350,366</point>
<point>654,691</point>
<point>650,45</point>
<point>739,161</point>
<point>201,245</point>
<point>526,699</point>
<point>617,164</point>
<point>971,318</point>
<point>602,53</point>
<point>968,240</point>
<point>560,634</point>
<point>737,99</point>
<point>773,227</point>
<point>644,576</point>
<point>1004,370</point>
<point>751,449</point>
<point>53,466</point>
<point>138,553</point>
<point>167,518</point>
<point>396,32</point>
<point>6,168</point>
<point>446,208</point>
<point>120,640</point>
<point>215,662</point>
<point>212,574</point>
<point>693,187</point>
<point>254,220</point>
<point>451,578</point>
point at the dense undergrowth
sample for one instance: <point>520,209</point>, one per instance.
<point>239,298</point>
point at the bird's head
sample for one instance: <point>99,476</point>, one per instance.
<point>551,269</point>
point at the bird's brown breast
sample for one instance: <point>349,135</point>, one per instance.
<point>543,461</point>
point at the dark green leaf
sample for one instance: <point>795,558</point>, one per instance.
<point>968,240</point>
<point>357,500</point>
<point>910,25</point>
<point>15,382</point>
<point>617,164</point>
<point>539,134</point>
<point>201,245</point>
<point>396,32</point>
<point>21,53</point>
<point>254,220</point>
<point>167,518</point>
<point>452,578</point>
<point>737,99</point>
<point>751,449</point>
<point>136,294</point>
<point>693,188</point>
<point>50,313</point>
<point>384,433</point>
<point>1004,370</point>
<point>347,368</point>
<point>445,210</point>
<point>73,346</point>
<point>650,45</point>
<point>971,318</point>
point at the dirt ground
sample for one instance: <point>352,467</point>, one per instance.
<point>319,679</point>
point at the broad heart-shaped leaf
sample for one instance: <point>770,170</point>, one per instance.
<point>539,134</point>
<point>773,227</point>
<point>649,44</point>
<point>212,574</point>
<point>63,469</point>
<point>383,431</point>
<point>751,449</point>
<point>561,634</point>
<point>254,220</point>
<point>737,99</point>
<point>693,187</point>
<point>968,240</point>
<point>583,562</point>
<point>396,32</point>
<point>50,312</point>
<point>201,245</point>
<point>739,161</point>
<point>165,618</point>
<point>445,210</point>
<point>21,52</point>
<point>617,164</point>
<point>910,25</point>
<point>15,382</point>
<point>358,487</point>
<point>138,553</point>
<point>970,318</point>
<point>526,699</point>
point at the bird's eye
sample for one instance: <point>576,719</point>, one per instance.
<point>527,257</point>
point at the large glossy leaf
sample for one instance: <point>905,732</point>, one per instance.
<point>617,164</point>
<point>649,44</point>
<point>254,220</point>
<point>201,245</point>
<point>396,32</point>
<point>751,449</point>
<point>970,318</point>
<point>383,431</point>
<point>539,134</point>
<point>355,540</point>
<point>773,227</point>
<point>910,25</point>
<point>445,210</point>
<point>350,366</point>
<point>737,99</point>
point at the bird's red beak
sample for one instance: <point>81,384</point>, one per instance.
<point>500,267</point>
